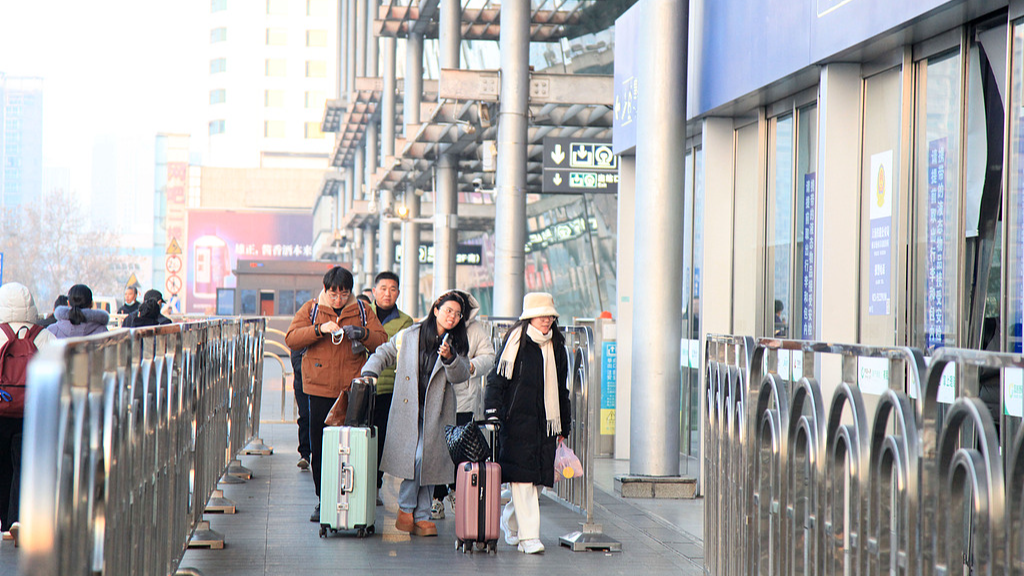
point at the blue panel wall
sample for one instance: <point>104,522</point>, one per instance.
<point>740,46</point>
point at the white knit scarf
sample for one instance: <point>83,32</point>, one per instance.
<point>507,364</point>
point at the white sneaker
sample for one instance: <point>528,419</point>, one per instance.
<point>437,510</point>
<point>531,546</point>
<point>511,536</point>
<point>451,500</point>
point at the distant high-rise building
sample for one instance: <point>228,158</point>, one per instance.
<point>272,65</point>
<point>21,139</point>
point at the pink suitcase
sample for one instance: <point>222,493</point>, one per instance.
<point>477,506</point>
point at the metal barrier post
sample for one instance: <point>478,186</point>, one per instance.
<point>125,436</point>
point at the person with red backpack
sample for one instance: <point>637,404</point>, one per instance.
<point>20,339</point>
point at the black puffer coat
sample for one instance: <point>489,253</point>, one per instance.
<point>527,453</point>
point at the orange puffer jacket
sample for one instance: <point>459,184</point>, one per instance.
<point>328,369</point>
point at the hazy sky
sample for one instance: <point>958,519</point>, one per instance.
<point>126,69</point>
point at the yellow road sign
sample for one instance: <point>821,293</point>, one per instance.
<point>173,247</point>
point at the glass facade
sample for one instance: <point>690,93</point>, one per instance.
<point>936,200</point>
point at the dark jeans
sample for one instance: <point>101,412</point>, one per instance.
<point>10,470</point>
<point>381,410</point>
<point>302,403</point>
<point>319,407</point>
<point>440,490</point>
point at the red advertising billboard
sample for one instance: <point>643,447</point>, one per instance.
<point>218,238</point>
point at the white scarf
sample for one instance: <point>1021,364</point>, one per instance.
<point>507,363</point>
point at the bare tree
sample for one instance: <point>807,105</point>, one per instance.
<point>50,246</point>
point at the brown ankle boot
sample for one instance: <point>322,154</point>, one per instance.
<point>425,528</point>
<point>404,522</point>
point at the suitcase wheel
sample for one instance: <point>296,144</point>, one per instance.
<point>323,530</point>
<point>492,547</point>
<point>361,533</point>
<point>371,529</point>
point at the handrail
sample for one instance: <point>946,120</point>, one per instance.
<point>883,461</point>
<point>126,435</point>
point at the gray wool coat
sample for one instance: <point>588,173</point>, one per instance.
<point>399,458</point>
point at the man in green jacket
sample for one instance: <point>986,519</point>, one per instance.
<point>385,296</point>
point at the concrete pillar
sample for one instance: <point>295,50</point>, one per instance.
<point>510,202</point>
<point>658,248</point>
<point>446,190</point>
<point>411,256</point>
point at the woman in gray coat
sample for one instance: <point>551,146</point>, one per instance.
<point>428,357</point>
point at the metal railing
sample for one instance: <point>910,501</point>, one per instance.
<point>577,494</point>
<point>846,459</point>
<point>126,435</point>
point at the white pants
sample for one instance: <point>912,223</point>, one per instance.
<point>523,511</point>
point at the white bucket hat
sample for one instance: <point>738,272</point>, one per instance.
<point>537,304</point>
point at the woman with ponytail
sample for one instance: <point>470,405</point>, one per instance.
<point>527,393</point>
<point>78,318</point>
<point>428,357</point>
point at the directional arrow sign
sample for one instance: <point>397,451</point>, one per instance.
<point>557,155</point>
<point>578,165</point>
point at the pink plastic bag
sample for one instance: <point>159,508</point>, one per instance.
<point>567,465</point>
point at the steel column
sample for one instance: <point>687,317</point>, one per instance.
<point>388,105</point>
<point>368,256</point>
<point>350,41</point>
<point>386,254</point>
<point>510,203</point>
<point>446,222</point>
<point>413,79</point>
<point>360,35</point>
<point>388,116</point>
<point>341,85</point>
<point>660,157</point>
<point>446,197</point>
<point>372,46</point>
<point>411,256</point>
<point>358,173</point>
<point>371,159</point>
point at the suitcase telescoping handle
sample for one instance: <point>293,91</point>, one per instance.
<point>491,427</point>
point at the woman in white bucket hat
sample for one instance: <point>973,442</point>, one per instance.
<point>526,391</point>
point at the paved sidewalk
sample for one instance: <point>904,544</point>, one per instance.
<point>271,533</point>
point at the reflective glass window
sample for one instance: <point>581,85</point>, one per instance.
<point>936,194</point>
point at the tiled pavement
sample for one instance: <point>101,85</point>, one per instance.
<point>271,533</point>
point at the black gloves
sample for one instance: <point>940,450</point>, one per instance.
<point>354,332</point>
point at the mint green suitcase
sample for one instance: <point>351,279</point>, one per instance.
<point>348,480</point>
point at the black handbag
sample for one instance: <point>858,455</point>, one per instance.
<point>466,443</point>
